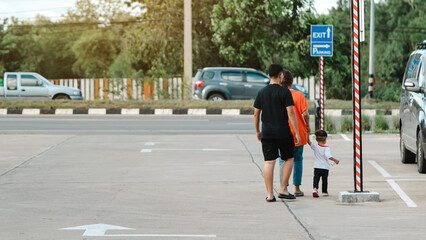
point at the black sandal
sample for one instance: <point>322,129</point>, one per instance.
<point>289,196</point>
<point>271,200</point>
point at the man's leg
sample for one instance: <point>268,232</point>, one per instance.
<point>298,168</point>
<point>286,172</point>
<point>268,173</point>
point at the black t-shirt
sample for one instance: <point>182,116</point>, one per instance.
<point>273,100</point>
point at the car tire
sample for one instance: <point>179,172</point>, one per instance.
<point>421,163</point>
<point>406,155</point>
<point>61,97</point>
<point>216,97</point>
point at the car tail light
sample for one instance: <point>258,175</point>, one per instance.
<point>199,83</point>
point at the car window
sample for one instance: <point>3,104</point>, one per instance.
<point>256,78</point>
<point>30,81</point>
<point>412,66</point>
<point>207,75</point>
<point>421,76</point>
<point>12,82</point>
<point>232,76</point>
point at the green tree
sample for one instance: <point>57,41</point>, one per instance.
<point>399,27</point>
<point>337,69</point>
<point>255,33</point>
<point>20,50</point>
<point>95,52</point>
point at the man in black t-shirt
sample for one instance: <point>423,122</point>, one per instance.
<point>276,105</point>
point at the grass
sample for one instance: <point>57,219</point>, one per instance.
<point>347,105</point>
<point>150,104</point>
<point>177,104</point>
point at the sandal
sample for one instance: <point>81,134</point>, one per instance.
<point>289,196</point>
<point>271,200</point>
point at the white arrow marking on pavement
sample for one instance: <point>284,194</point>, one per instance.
<point>183,149</point>
<point>322,46</point>
<point>328,32</point>
<point>99,230</point>
<point>95,230</point>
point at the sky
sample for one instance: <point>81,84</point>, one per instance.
<point>28,9</point>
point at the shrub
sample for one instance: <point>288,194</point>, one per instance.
<point>347,124</point>
<point>381,124</point>
<point>329,125</point>
<point>365,123</point>
<point>396,123</point>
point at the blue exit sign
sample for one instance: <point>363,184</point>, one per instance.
<point>321,40</point>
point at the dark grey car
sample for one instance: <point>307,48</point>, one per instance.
<point>221,83</point>
<point>412,110</point>
<point>228,83</point>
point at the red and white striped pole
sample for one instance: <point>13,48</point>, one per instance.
<point>322,91</point>
<point>356,73</point>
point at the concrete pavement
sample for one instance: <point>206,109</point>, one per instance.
<point>194,186</point>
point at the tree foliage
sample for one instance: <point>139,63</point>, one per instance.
<point>256,32</point>
<point>144,38</point>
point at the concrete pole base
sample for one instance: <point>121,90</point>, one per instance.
<point>354,197</point>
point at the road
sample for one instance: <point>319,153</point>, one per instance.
<point>187,178</point>
<point>88,125</point>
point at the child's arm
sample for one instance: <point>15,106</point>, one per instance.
<point>334,160</point>
<point>309,140</point>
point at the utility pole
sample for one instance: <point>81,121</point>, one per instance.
<point>371,69</point>
<point>187,28</point>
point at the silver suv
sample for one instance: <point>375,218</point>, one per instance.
<point>412,110</point>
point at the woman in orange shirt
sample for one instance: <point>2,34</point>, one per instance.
<point>302,115</point>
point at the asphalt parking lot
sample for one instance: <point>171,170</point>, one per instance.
<point>155,185</point>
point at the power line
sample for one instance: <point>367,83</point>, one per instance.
<point>35,10</point>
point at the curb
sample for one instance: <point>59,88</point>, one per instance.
<point>169,111</point>
<point>124,112</point>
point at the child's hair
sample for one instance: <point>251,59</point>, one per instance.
<point>274,70</point>
<point>320,135</point>
<point>288,79</point>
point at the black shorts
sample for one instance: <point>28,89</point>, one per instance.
<point>271,147</point>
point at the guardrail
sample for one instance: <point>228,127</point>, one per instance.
<point>126,88</point>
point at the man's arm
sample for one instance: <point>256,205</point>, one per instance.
<point>256,122</point>
<point>293,121</point>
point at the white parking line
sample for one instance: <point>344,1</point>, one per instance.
<point>393,184</point>
<point>380,169</point>
<point>183,149</point>
<point>150,144</point>
<point>401,193</point>
<point>345,137</point>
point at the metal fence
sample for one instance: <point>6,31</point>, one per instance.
<point>147,89</point>
<point>126,88</point>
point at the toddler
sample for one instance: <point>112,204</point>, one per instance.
<point>321,166</point>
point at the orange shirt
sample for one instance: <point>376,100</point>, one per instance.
<point>300,105</point>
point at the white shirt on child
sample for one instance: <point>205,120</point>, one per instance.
<point>322,154</point>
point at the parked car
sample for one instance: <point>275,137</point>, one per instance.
<point>221,83</point>
<point>412,110</point>
<point>33,86</point>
